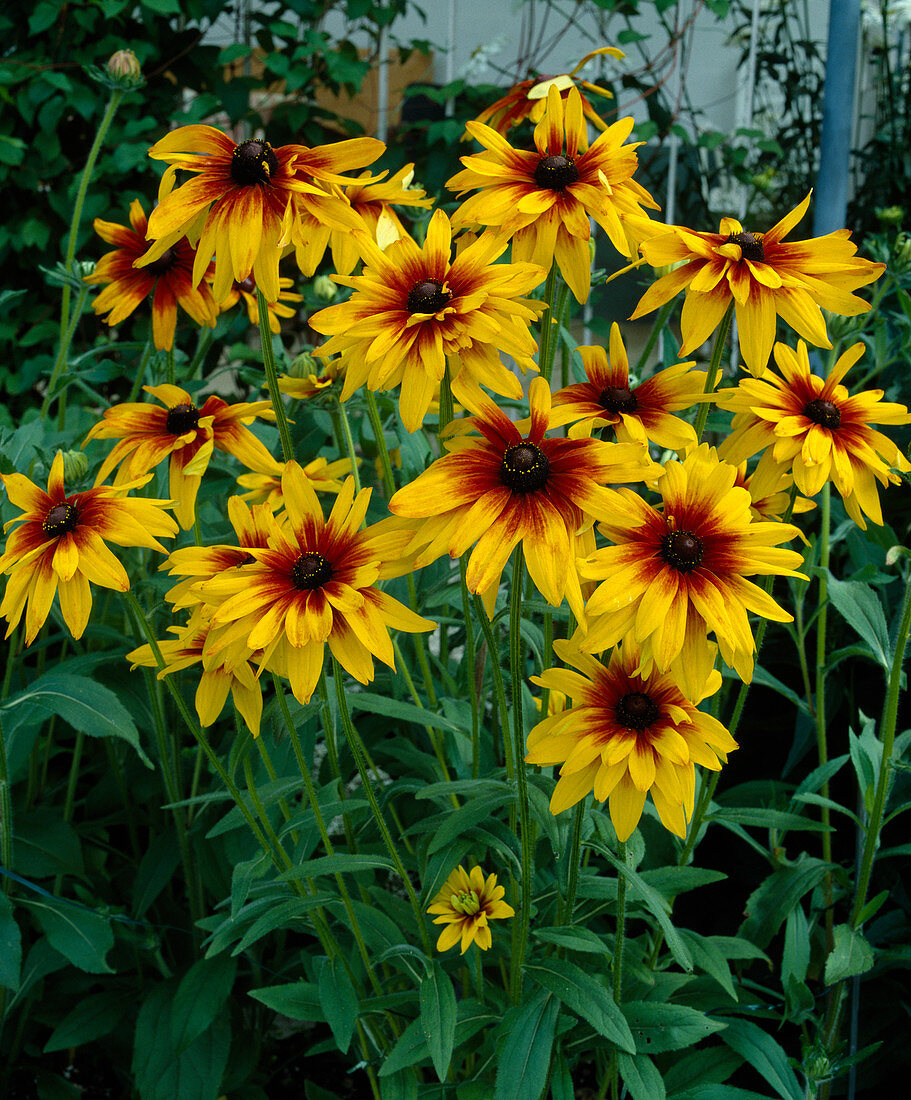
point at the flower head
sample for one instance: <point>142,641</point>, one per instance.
<point>466,904</point>
<point>763,275</point>
<point>677,573</point>
<point>243,200</point>
<point>169,279</point>
<point>324,476</point>
<point>817,430</point>
<point>147,434</point>
<point>635,414</point>
<point>246,291</point>
<point>60,546</point>
<point>511,486</point>
<point>628,734</point>
<point>543,199</point>
<point>415,309</point>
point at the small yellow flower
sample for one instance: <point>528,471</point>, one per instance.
<point>465,904</point>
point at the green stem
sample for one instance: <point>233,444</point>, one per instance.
<point>6,815</point>
<point>657,328</point>
<point>169,373</point>
<point>360,758</point>
<point>516,662</point>
<point>557,320</point>
<point>60,361</point>
<point>619,939</point>
<point>470,661</point>
<point>499,688</point>
<point>819,699</point>
<point>546,323</point>
<point>479,973</point>
<point>377,425</point>
<point>202,347</point>
<point>139,379</point>
<point>265,338</point>
<point>711,377</point>
<point>345,425</point>
<point>446,412</point>
<point>575,859</point>
<point>435,735</point>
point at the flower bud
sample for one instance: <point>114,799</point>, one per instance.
<point>303,366</point>
<point>124,65</point>
<point>75,466</point>
<point>890,215</point>
<point>324,288</point>
<point>901,252</point>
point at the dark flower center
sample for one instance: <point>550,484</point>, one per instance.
<point>310,571</point>
<point>253,162</point>
<point>618,399</point>
<point>182,419</point>
<point>428,297</point>
<point>525,468</point>
<point>556,173</point>
<point>824,413</point>
<point>682,550</point>
<point>750,246</point>
<point>60,519</point>
<point>247,285</point>
<point>162,264</point>
<point>636,710</point>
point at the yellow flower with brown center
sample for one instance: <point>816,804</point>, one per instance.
<point>466,904</point>
<point>246,291</point>
<point>635,414</point>
<point>509,486</point>
<point>543,199</point>
<point>314,584</point>
<point>168,280</point>
<point>627,734</point>
<point>816,429</point>
<point>60,546</point>
<point>324,476</point>
<point>147,434</point>
<point>678,573</point>
<point>528,98</point>
<point>415,309</point>
<point>763,275</point>
<point>243,199</point>
<point>218,677</point>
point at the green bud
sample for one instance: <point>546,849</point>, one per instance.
<point>890,215</point>
<point>303,366</point>
<point>75,466</point>
<point>324,288</point>
<point>901,252</point>
<point>124,65</point>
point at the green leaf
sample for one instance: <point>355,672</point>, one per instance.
<point>765,1056</point>
<point>78,934</point>
<point>573,939</point>
<point>412,1047</point>
<point>46,845</point>
<point>589,998</point>
<point>438,1017</point>
<point>297,1000</point>
<point>92,1018</point>
<point>526,1037</point>
<point>851,954</point>
<point>860,606</point>
<point>765,819</point>
<point>871,908</point>
<point>470,813</point>
<point>338,864</point>
<point>89,707</point>
<point>771,902</point>
<point>641,1077</point>
<point>338,1000</point>
<point>156,867</point>
<point>10,946</point>
<point>708,956</point>
<point>658,1027</point>
<point>394,708</point>
<point>199,998</point>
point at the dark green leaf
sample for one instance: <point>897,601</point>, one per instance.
<point>338,1000</point>
<point>78,934</point>
<point>411,1046</point>
<point>438,1017</point>
<point>658,1027</point>
<point>525,1040</point>
<point>338,864</point>
<point>771,902</point>
<point>589,998</point>
<point>859,604</point>
<point>297,1000</point>
<point>641,1077</point>
<point>764,818</point>
<point>574,939</point>
<point>851,954</point>
<point>92,1018</point>
<point>199,998</point>
<point>405,712</point>
<point>470,813</point>
<point>10,946</point>
<point>708,956</point>
<point>765,1055</point>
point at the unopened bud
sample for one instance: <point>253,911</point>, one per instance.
<point>303,366</point>
<point>75,466</point>
<point>324,288</point>
<point>901,252</point>
<point>890,215</point>
<point>124,66</point>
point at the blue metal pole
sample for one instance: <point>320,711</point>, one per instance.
<point>830,208</point>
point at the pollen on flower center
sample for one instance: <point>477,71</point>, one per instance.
<point>525,468</point>
<point>556,173</point>
<point>636,710</point>
<point>60,519</point>
<point>311,570</point>
<point>823,413</point>
<point>682,550</point>
<point>750,246</point>
<point>162,264</point>
<point>182,419</point>
<point>428,296</point>
<point>617,399</point>
<point>466,902</point>
<point>253,162</point>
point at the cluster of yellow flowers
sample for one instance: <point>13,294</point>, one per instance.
<point>666,588</point>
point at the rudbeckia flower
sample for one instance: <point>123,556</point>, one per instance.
<point>676,574</point>
<point>312,384</point>
<point>817,430</point>
<point>313,585</point>
<point>769,487</point>
<point>415,309</point>
<point>324,476</point>
<point>169,280</point>
<point>466,904</point>
<point>528,98</point>
<point>543,199</point>
<point>636,414</point>
<point>147,434</point>
<point>764,275</point>
<point>242,202</point>
<point>217,677</point>
<point>627,734</point>
<point>60,548</point>
<point>508,487</point>
<point>246,290</point>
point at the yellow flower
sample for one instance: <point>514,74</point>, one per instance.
<point>628,733</point>
<point>817,430</point>
<point>60,546</point>
<point>466,904</point>
<point>325,477</point>
<point>764,275</point>
<point>246,290</point>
